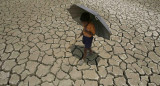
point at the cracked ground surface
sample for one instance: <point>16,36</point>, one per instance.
<point>34,35</point>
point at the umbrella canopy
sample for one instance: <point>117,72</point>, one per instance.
<point>101,27</point>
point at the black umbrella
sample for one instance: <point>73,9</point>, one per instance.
<point>102,29</point>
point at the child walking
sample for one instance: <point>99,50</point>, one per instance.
<point>87,33</point>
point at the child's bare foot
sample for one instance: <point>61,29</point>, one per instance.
<point>81,62</point>
<point>84,57</point>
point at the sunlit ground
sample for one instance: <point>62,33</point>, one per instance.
<point>34,35</point>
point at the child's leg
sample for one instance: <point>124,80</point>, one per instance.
<point>90,51</point>
<point>85,53</point>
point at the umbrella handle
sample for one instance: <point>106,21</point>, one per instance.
<point>74,41</point>
<point>79,36</point>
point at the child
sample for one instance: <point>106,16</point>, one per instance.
<point>88,33</point>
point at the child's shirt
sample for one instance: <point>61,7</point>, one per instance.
<point>90,27</point>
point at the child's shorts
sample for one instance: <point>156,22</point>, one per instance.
<point>87,41</point>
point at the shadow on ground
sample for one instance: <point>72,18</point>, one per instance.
<point>77,51</point>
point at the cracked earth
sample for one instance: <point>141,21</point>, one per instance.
<point>34,35</point>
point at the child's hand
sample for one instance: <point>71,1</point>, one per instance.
<point>89,32</point>
<point>86,30</point>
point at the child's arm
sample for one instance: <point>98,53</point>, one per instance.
<point>89,32</point>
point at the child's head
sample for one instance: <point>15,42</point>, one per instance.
<point>85,18</point>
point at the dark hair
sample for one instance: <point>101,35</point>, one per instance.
<point>85,17</point>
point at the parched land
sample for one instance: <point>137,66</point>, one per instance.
<point>34,35</point>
